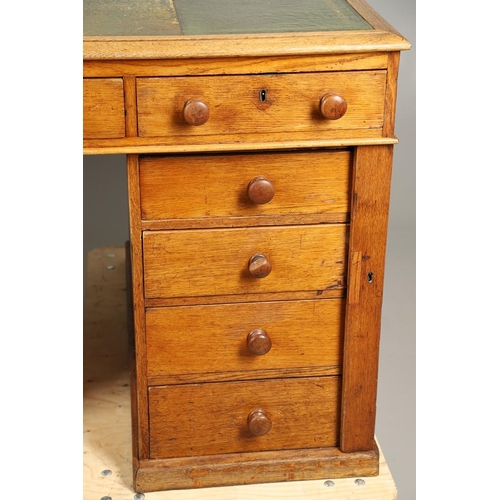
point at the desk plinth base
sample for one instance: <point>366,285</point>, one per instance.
<point>251,468</point>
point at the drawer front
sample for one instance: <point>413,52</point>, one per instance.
<point>231,341</point>
<point>204,262</point>
<point>213,418</point>
<point>103,108</point>
<point>245,185</point>
<point>260,104</point>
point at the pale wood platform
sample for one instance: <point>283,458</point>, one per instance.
<point>106,406</point>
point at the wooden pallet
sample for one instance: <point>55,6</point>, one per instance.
<point>107,426</point>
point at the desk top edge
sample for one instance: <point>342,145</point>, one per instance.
<point>225,46</point>
<point>380,36</point>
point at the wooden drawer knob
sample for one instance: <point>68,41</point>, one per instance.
<point>259,266</point>
<point>260,190</point>
<point>258,422</point>
<point>196,112</point>
<point>258,342</point>
<point>333,106</point>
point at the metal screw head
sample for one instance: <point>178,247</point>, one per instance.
<point>110,267</point>
<point>111,255</point>
<point>106,472</point>
<point>359,482</point>
<point>139,496</point>
<point>329,483</point>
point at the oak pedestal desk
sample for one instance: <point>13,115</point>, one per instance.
<point>259,140</point>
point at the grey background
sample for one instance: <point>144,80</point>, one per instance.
<point>105,223</point>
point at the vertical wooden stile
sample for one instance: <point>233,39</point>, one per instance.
<point>369,216</point>
<point>390,94</point>
<point>130,95</point>
<point>140,423</point>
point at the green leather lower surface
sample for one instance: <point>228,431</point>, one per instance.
<point>217,17</point>
<point>210,17</point>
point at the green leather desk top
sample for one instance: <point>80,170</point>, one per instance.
<point>217,17</point>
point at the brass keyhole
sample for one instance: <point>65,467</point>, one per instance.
<point>370,277</point>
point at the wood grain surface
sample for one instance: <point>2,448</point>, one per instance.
<point>236,142</point>
<point>277,44</point>
<point>103,108</point>
<point>369,216</point>
<point>292,103</point>
<point>236,65</point>
<point>193,420</point>
<point>204,262</point>
<point>140,417</point>
<point>197,343</point>
<point>309,183</point>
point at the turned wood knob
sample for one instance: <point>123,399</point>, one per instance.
<point>259,266</point>
<point>332,106</point>
<point>258,422</point>
<point>260,190</point>
<point>258,342</point>
<point>196,112</point>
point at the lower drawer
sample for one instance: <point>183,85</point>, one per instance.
<point>203,262</point>
<point>232,417</point>
<point>244,341</point>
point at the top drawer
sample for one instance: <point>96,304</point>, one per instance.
<point>251,189</point>
<point>260,104</point>
<point>103,108</point>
